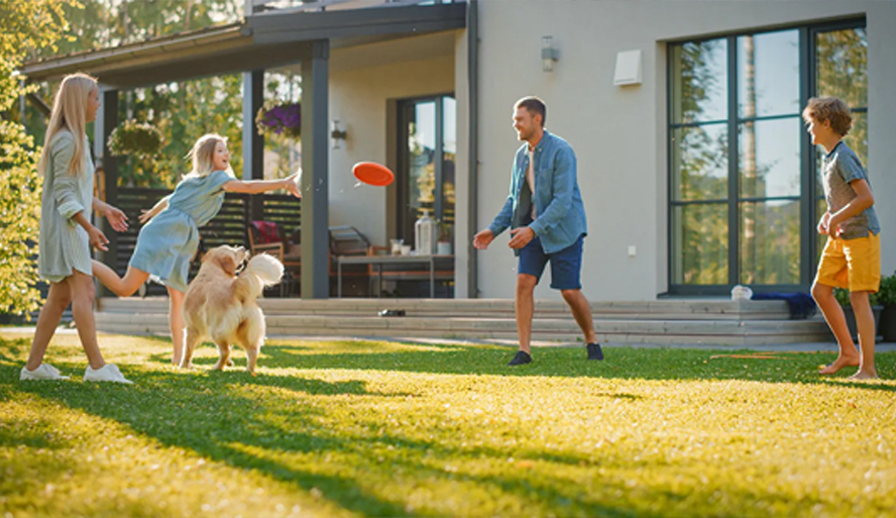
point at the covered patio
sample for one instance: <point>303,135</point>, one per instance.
<point>300,37</point>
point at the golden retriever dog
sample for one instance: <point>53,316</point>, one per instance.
<point>221,305</point>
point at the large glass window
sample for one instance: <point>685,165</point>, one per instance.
<point>745,189</point>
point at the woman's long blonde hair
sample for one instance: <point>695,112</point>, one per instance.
<point>202,154</point>
<point>69,113</point>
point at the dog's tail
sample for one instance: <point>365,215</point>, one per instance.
<point>262,270</point>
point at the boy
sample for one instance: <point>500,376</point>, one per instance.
<point>851,257</point>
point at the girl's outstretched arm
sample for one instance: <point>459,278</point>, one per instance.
<point>289,183</point>
<point>146,215</point>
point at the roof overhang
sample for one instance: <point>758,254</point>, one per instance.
<point>265,40</point>
<point>273,27</point>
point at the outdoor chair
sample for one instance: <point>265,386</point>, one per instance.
<point>267,237</point>
<point>348,241</point>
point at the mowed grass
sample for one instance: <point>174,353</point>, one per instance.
<point>364,428</point>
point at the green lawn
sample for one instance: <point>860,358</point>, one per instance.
<point>392,429</point>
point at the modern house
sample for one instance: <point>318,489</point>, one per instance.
<point>695,166</point>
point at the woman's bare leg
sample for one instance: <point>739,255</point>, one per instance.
<point>121,286</point>
<point>83,293</point>
<point>176,322</point>
<point>58,299</point>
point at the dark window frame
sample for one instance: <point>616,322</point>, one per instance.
<point>808,181</point>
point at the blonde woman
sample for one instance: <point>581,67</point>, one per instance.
<point>66,233</point>
<point>169,241</point>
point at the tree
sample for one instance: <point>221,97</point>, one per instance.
<point>182,111</point>
<point>24,24</point>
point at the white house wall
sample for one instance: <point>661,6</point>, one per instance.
<point>358,99</point>
<point>619,132</point>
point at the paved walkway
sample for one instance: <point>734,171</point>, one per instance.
<point>809,346</point>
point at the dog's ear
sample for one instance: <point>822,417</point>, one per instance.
<point>227,263</point>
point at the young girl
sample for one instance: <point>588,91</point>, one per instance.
<point>66,233</point>
<point>169,241</point>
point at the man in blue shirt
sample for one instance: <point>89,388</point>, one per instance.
<point>547,219</point>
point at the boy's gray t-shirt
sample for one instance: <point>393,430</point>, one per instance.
<point>840,167</point>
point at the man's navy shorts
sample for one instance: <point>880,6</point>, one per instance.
<point>566,265</point>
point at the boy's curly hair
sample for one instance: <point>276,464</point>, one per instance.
<point>831,109</point>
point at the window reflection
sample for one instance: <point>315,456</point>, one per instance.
<point>700,81</point>
<point>769,162</point>
<point>768,77</point>
<point>842,65</point>
<point>700,244</point>
<point>769,242</point>
<point>700,163</point>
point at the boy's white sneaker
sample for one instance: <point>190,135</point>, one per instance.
<point>44,371</point>
<point>108,372</point>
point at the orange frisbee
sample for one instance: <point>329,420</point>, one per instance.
<point>372,173</point>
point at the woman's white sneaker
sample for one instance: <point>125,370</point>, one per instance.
<point>43,372</point>
<point>108,372</point>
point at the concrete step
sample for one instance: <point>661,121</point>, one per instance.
<point>707,309</point>
<point>150,317</point>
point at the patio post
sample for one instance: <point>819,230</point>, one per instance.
<point>253,143</point>
<point>106,122</point>
<point>315,172</point>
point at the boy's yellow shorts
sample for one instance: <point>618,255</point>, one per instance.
<point>853,264</point>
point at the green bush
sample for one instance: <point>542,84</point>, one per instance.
<point>842,296</point>
<point>887,294</point>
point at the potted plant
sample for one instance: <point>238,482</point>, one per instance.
<point>886,296</point>
<point>279,118</point>
<point>842,296</point>
<point>444,245</point>
<point>135,138</point>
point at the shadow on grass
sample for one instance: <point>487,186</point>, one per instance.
<point>620,363</point>
<point>215,415</point>
<point>280,431</point>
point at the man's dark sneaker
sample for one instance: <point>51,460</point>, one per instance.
<point>594,352</point>
<point>521,358</point>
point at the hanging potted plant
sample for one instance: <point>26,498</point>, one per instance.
<point>135,138</point>
<point>279,118</point>
<point>842,296</point>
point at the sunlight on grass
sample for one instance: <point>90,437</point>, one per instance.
<point>395,429</point>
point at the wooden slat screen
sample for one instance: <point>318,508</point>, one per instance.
<point>228,227</point>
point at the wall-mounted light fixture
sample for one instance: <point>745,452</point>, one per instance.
<point>548,53</point>
<point>337,135</point>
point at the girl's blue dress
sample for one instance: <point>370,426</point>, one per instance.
<point>169,241</point>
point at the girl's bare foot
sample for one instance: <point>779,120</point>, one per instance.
<point>839,363</point>
<point>863,375</point>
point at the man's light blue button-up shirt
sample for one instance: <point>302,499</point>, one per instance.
<point>559,211</point>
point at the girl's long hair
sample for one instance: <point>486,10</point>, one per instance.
<point>202,153</point>
<point>70,114</point>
